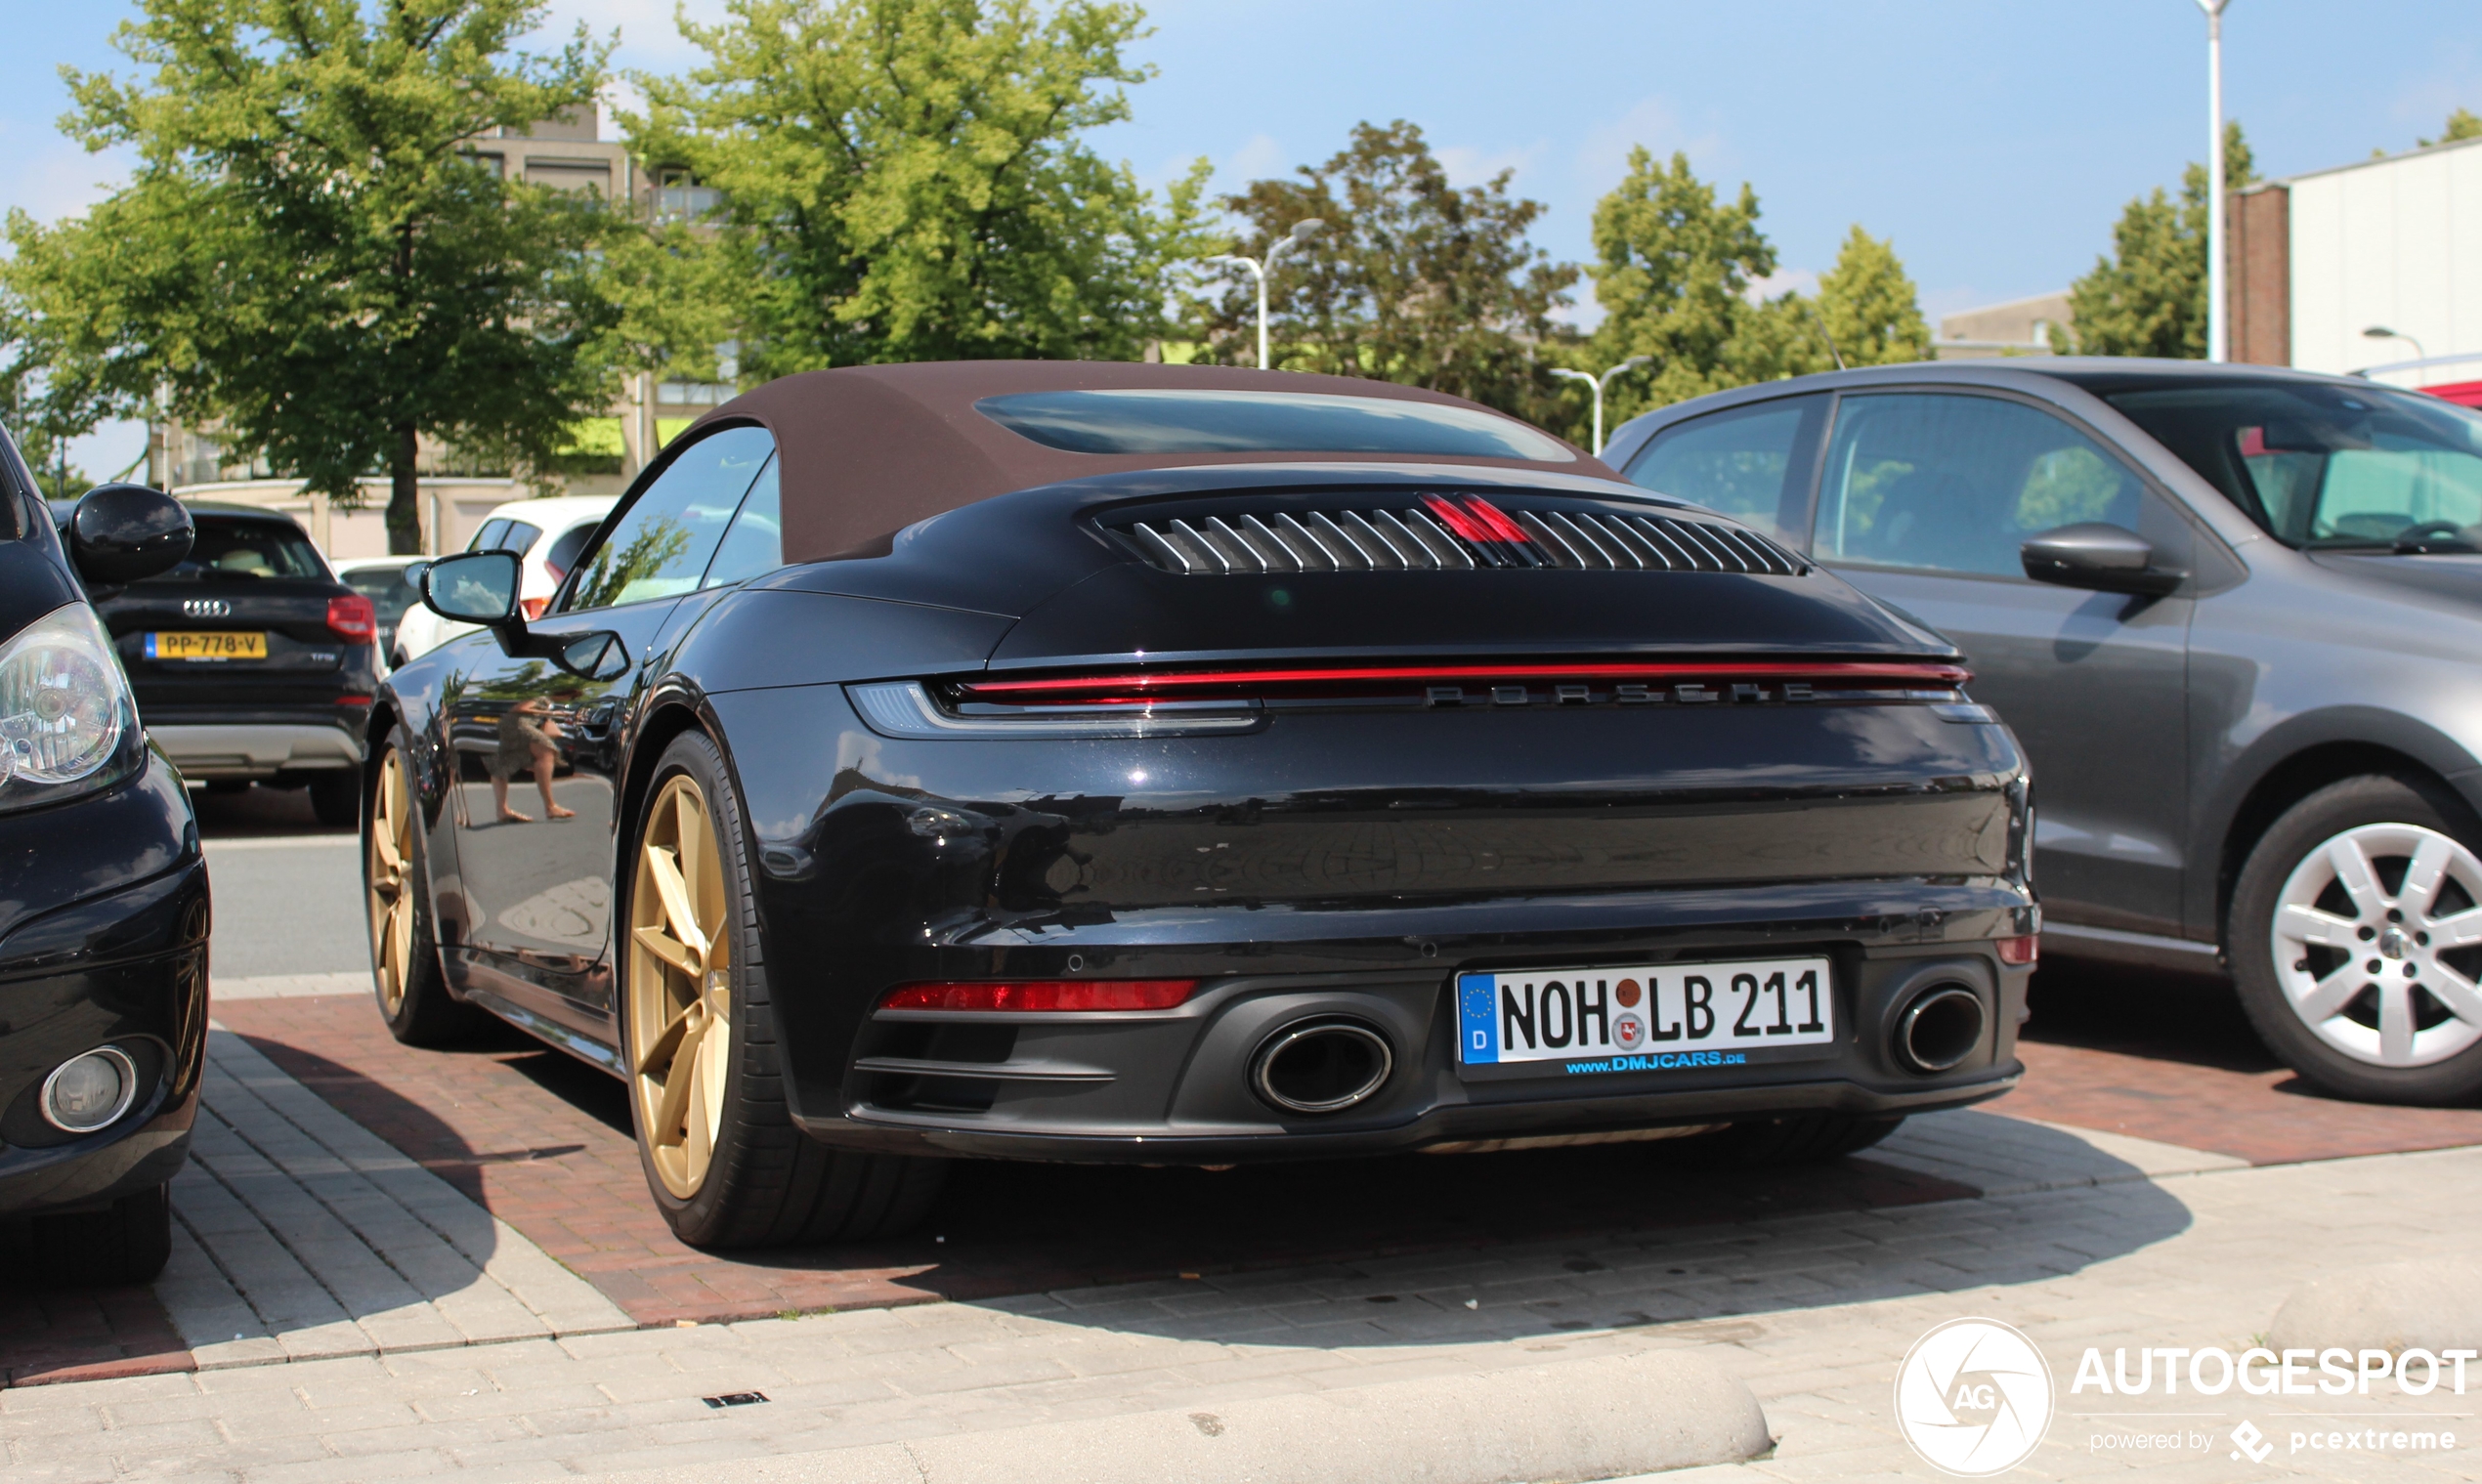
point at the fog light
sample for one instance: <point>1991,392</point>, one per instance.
<point>90,1091</point>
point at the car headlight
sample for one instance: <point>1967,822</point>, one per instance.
<point>69,724</point>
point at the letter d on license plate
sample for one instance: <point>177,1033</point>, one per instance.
<point>1646,1018</point>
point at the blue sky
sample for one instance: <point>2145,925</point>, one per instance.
<point>1994,142</point>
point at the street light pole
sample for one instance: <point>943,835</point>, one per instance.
<point>2218,315</point>
<point>1598,383</point>
<point>2382,332</point>
<point>1302,231</point>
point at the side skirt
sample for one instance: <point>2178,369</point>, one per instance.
<point>2109,945</point>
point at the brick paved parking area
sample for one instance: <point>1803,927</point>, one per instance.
<point>542,1141</point>
<point>2173,1059</point>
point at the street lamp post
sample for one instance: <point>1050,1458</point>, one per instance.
<point>1302,231</point>
<point>2218,313</point>
<point>2382,332</point>
<point>1598,383</point>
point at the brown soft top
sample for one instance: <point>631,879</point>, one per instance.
<point>867,450</point>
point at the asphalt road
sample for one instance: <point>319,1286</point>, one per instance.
<point>287,889</point>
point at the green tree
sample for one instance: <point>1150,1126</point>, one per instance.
<point>905,180</point>
<point>1869,306</point>
<point>1673,268</point>
<point>2462,124</point>
<point>310,255</point>
<point>41,440</point>
<point>1414,280</point>
<point>2148,296</point>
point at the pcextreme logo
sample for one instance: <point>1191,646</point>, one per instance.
<point>1974,1397</point>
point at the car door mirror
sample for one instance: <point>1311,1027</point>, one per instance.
<point>127,533</point>
<point>473,587</point>
<point>2099,557</point>
<point>598,655</point>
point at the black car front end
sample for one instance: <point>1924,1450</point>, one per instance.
<point>103,925</point>
<point>1212,862</point>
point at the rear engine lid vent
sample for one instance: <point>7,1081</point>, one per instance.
<point>1446,534</point>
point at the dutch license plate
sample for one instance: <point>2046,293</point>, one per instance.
<point>207,645</point>
<point>1654,1018</point>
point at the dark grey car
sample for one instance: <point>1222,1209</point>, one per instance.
<point>2234,617</point>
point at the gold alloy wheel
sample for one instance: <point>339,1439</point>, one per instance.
<point>391,887</point>
<point>680,987</point>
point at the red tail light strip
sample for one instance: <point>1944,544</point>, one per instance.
<point>1058,688</point>
<point>1042,994</point>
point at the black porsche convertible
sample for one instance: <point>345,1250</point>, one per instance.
<point>1186,765</point>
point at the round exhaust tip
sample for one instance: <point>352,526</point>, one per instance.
<point>1940,1028</point>
<point>1321,1065</point>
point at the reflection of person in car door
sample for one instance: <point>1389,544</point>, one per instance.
<point>527,731</point>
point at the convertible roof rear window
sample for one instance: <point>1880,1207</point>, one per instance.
<point>1163,420</point>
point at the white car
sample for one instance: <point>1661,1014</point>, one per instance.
<point>389,583</point>
<point>546,534</point>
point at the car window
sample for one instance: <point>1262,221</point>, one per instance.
<point>520,537</point>
<point>755,543</point>
<point>1170,420</point>
<point>1745,462</point>
<point>247,551</point>
<point>2329,466</point>
<point>1957,484</point>
<point>662,544</point>
<point>488,537</point>
<point>566,546</point>
<point>386,588</point>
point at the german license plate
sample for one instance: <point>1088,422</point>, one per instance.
<point>1649,1018</point>
<point>207,644</point>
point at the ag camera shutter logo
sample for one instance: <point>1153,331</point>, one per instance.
<point>1974,1397</point>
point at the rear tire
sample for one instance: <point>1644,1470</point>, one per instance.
<point>335,797</point>
<point>127,1241</point>
<point>1805,1138</point>
<point>412,987</point>
<point>723,1158</point>
<point>2323,1010</point>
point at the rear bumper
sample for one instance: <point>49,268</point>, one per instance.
<point>256,749</point>
<point>1175,1087</point>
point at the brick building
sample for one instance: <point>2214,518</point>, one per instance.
<point>2318,261</point>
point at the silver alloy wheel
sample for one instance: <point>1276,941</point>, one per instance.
<point>2350,955</point>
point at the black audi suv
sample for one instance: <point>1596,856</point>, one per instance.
<point>2229,610</point>
<point>1181,765</point>
<point>102,903</point>
<point>253,661</point>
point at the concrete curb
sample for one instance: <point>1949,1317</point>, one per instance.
<point>1606,1418</point>
<point>2430,1306</point>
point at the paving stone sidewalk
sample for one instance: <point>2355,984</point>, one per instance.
<point>1814,1311</point>
<point>298,1234</point>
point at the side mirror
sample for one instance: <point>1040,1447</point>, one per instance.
<point>473,587</point>
<point>127,533</point>
<point>599,655</point>
<point>2099,557</point>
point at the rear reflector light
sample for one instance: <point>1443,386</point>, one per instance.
<point>1042,994</point>
<point>353,618</point>
<point>2020,951</point>
<point>353,700</point>
<point>1058,689</point>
